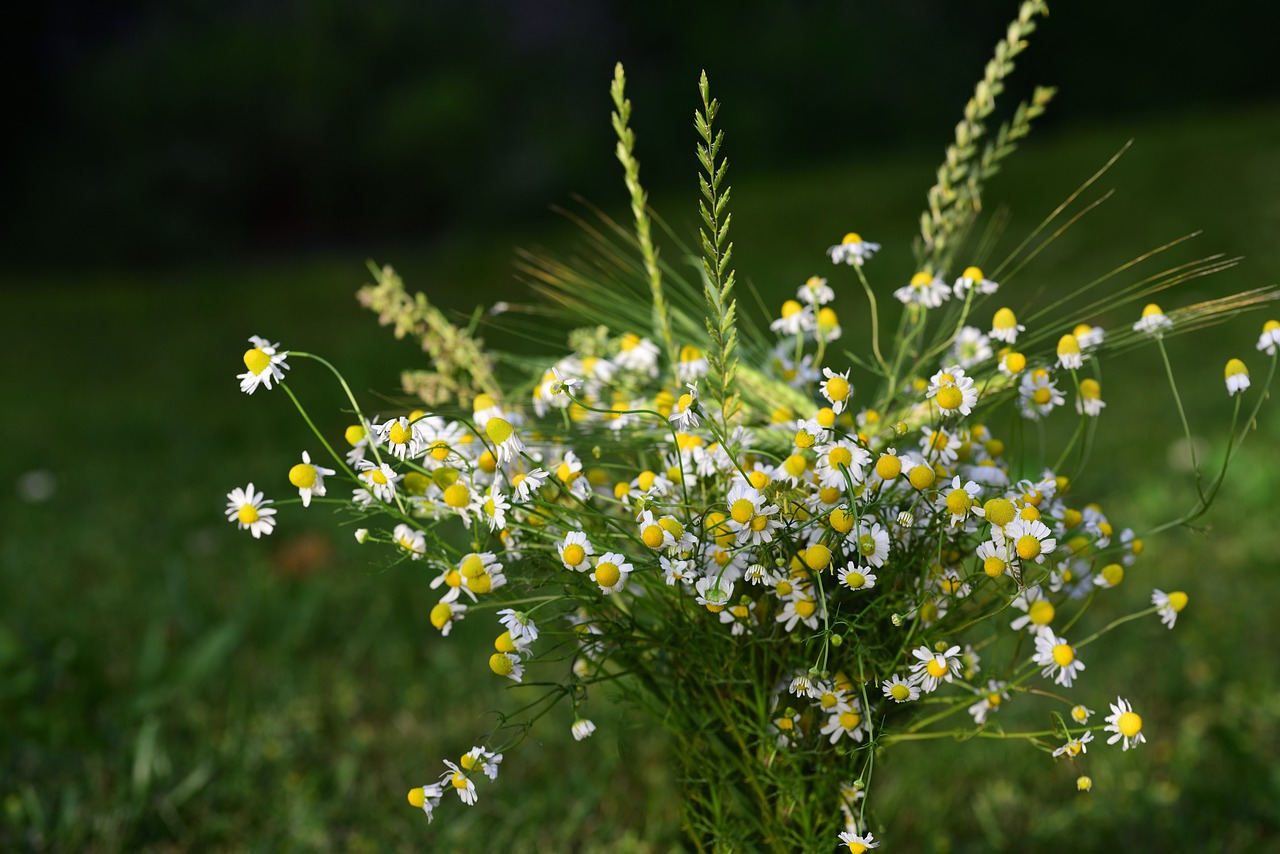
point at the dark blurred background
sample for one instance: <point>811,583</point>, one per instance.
<point>148,133</point>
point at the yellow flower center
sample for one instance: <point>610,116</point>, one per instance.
<point>959,502</point>
<point>950,397</point>
<point>354,434</point>
<point>805,440</point>
<point>759,523</point>
<point>742,511</point>
<point>1151,310</point>
<point>482,583</point>
<point>417,797</point>
<point>416,483</point>
<point>900,692</point>
<point>826,417</point>
<point>1235,367</point>
<point>256,360</point>
<point>400,434</point>
<point>829,495</point>
<point>1129,724</point>
<point>790,308</point>
<point>937,668</point>
<point>1063,654</point>
<point>504,643</point>
<point>841,520</point>
<point>1068,345</point>
<point>457,495</point>
<point>827,319</point>
<point>1177,600</point>
<point>920,280</point>
<point>1015,363</point>
<point>994,699</point>
<point>993,566</point>
<point>248,514</point>
<point>1041,612</point>
<point>817,557</point>
<point>855,580</point>
<point>653,536</point>
<point>607,573</point>
<point>805,608</point>
<point>784,588</point>
<point>973,273</point>
<point>1113,573</point>
<point>850,720</point>
<point>303,476</point>
<point>646,480</point>
<point>758,479</point>
<point>1004,319</point>
<point>922,477</point>
<point>498,429</point>
<point>840,456</point>
<point>1028,547</point>
<point>574,554</point>
<point>837,388</point>
<point>1041,396</point>
<point>888,466</point>
<point>376,476</point>
<point>440,614</point>
<point>851,237</point>
<point>795,465</point>
<point>1090,390</point>
<point>999,511</point>
<point>471,566</point>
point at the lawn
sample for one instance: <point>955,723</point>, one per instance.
<point>166,683</point>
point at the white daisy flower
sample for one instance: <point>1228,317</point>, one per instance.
<point>637,354</point>
<point>1237,376</point>
<point>1028,538</point>
<point>801,609</point>
<point>924,289</point>
<point>1080,714</point>
<point>265,364</point>
<point>972,278</point>
<point>1069,356</point>
<point>692,364</point>
<point>1057,658</point>
<point>836,389</point>
<point>611,572</point>
<point>527,483</point>
<point>852,250</point>
<point>1125,723</point>
<point>411,540</point>
<point>401,438</point>
<point>931,668</point>
<point>460,782</point>
<point>250,512</point>
<point>845,722</point>
<point>523,630</point>
<point>795,374</point>
<point>507,444</point>
<point>971,347</point>
<point>495,507</point>
<point>684,414</point>
<point>961,501</point>
<point>872,543</point>
<point>426,798</point>
<point>803,686</point>
<point>953,391</point>
<point>1074,747</point>
<point>989,701</point>
<point>1153,322</point>
<point>900,690</point>
<point>1005,326</point>
<point>1269,340</point>
<point>445,614</point>
<point>1039,394</point>
<point>713,594</point>
<point>653,534</point>
<point>575,551</point>
<point>794,319</point>
<point>1038,612</point>
<point>853,577</point>
<point>582,729</point>
<point>309,478</point>
<point>1168,605</point>
<point>815,291</point>
<point>379,480</point>
<point>1090,402</point>
<point>837,458</point>
<point>750,519</point>
<point>508,664</point>
<point>858,843</point>
<point>940,446</point>
<point>1089,337</point>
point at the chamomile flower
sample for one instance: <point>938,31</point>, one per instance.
<point>802,685</point>
<point>611,572</point>
<point>1153,322</point>
<point>445,613</point>
<point>856,578</point>
<point>508,664</point>
<point>576,551</point>
<point>507,444</point>
<point>1089,337</point>
<point>815,291</point>
<point>1269,340</point>
<point>1012,364</point>
<point>460,782</point>
<point>265,364</point>
<point>932,668</point>
<point>953,391</point>
<point>801,609</point>
<point>713,594</point>
<point>1029,539</point>
<point>858,843</point>
<point>1038,611</point>
<point>379,480</point>
<point>1005,326</point>
<point>845,722</point>
<point>1069,357</point>
<point>971,347</point>
<point>684,414</point>
<point>582,729</point>
<point>527,483</point>
<point>692,363</point>
<point>1039,394</point>
<point>413,541</point>
<point>1080,714</point>
<point>794,319</point>
<point>495,507</point>
<point>308,478</point>
<point>872,543</point>
<point>750,519</point>
<point>400,437</point>
<point>522,628</point>
<point>972,278</point>
<point>1169,605</point>
<point>1237,377</point>
<point>924,289</point>
<point>1075,746</point>
<point>1125,723</point>
<point>250,512</point>
<point>1057,658</point>
<point>852,250</point>
<point>637,354</point>
<point>1090,400</point>
<point>426,798</point>
<point>989,701</point>
<point>900,690</point>
<point>836,389</point>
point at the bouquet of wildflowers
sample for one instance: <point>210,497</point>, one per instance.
<point>791,574</point>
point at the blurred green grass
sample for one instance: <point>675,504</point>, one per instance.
<point>168,683</point>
